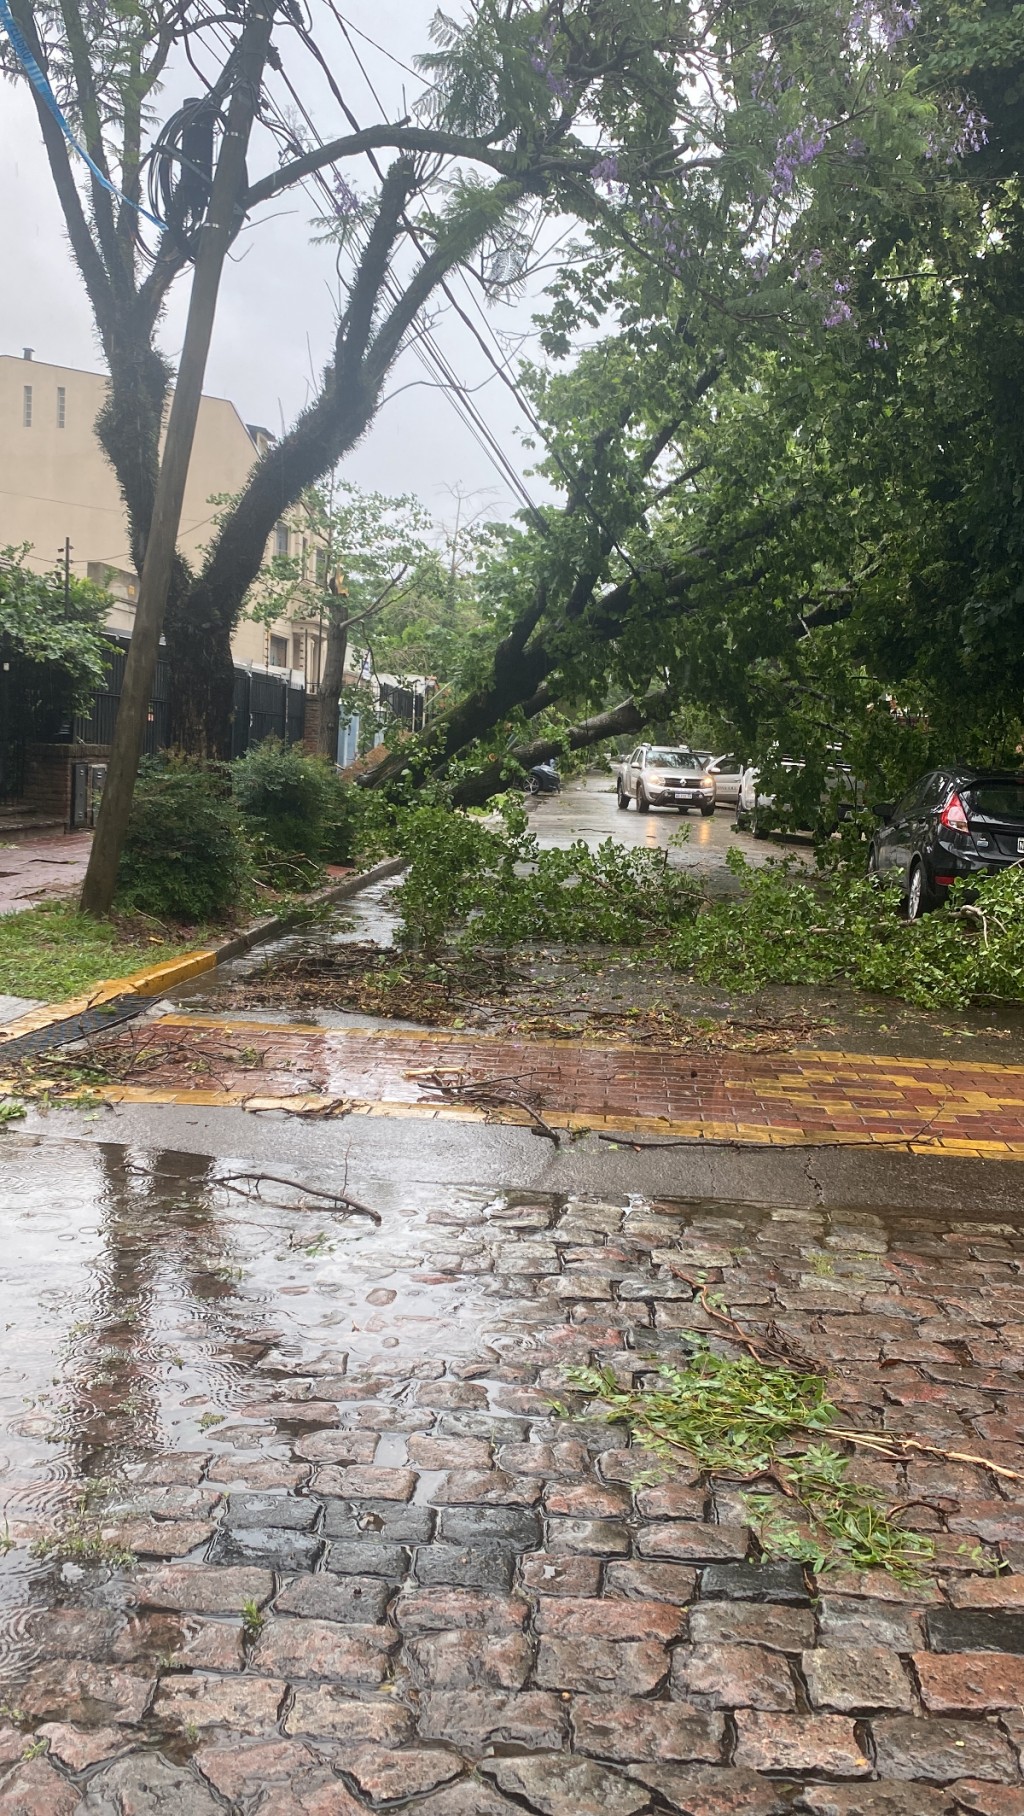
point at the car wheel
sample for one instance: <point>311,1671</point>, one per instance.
<point>621,798</point>
<point>534,786</point>
<point>706,812</point>
<point>682,810</point>
<point>919,896</point>
<point>643,805</point>
<point>759,831</point>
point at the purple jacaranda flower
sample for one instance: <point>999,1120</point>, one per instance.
<point>346,202</point>
<point>798,149</point>
<point>605,171</point>
<point>839,311</point>
<point>963,130</point>
<point>883,22</point>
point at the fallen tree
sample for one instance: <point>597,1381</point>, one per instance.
<point>629,715</point>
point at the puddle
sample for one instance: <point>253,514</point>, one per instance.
<point>145,1303</point>
<point>369,917</point>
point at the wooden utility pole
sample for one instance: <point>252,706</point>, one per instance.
<point>216,235</point>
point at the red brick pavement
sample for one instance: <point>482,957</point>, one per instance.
<point>803,1094</point>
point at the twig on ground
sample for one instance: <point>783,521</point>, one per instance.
<point>339,1201</point>
<point>487,1092</point>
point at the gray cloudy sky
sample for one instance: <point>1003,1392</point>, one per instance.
<point>277,306</point>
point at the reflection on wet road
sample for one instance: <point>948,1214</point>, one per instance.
<point>587,809</point>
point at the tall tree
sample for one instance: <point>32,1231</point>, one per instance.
<point>519,100</point>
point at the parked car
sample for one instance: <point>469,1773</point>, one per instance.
<point>661,775</point>
<point>728,774</point>
<point>952,823</point>
<point>543,779</point>
<point>755,809</point>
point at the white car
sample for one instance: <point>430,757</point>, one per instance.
<point>753,805</point>
<point>662,775</point>
<point>728,774</point>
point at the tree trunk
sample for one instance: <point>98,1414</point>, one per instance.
<point>158,568</point>
<point>332,678</point>
<point>629,715</point>
<point>202,672</point>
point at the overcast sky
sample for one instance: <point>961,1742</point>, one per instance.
<point>277,309</point>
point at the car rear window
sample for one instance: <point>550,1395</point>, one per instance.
<point>996,800</point>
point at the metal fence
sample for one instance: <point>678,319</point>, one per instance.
<point>34,707</point>
<point>265,706</point>
<point>34,710</point>
<point>97,726</point>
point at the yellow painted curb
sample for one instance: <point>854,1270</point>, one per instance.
<point>152,981</point>
<point>753,1135</point>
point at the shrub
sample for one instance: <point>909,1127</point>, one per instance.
<point>293,802</point>
<point>185,856</point>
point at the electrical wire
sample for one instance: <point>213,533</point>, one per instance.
<point>574,479</point>
<point>41,84</point>
<point>425,346</point>
<point>426,350</point>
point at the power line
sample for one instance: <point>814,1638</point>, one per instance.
<point>424,346</point>
<point>500,364</point>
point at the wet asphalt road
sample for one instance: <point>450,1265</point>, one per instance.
<point>587,809</point>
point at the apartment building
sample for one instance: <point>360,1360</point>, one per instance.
<point>57,486</point>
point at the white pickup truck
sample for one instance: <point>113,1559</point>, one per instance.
<point>661,775</point>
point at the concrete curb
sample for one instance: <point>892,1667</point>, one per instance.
<point>156,980</point>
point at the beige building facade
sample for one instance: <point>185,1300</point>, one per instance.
<point>56,483</point>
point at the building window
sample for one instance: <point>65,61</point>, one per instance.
<point>278,652</point>
<point>281,539</point>
<point>62,406</point>
<point>26,406</point>
<point>321,566</point>
<point>298,650</point>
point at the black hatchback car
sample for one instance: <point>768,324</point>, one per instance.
<point>952,823</point>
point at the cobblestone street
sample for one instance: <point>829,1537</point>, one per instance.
<point>293,1526</point>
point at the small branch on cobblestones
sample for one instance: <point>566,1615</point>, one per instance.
<point>896,1449</point>
<point>247,1185</point>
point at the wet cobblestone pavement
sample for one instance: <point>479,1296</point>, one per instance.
<point>370,1568</point>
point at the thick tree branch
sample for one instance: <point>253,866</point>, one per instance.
<point>421,140</point>
<point>87,256</point>
<point>628,716</point>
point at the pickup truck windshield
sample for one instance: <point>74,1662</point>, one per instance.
<point>672,759</point>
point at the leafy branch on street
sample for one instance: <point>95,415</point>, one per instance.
<point>748,1421</point>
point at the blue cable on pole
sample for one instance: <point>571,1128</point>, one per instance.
<point>45,92</point>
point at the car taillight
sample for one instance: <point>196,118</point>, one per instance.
<point>954,815</point>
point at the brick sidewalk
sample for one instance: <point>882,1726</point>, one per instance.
<point>38,870</point>
<point>459,1605</point>
<point>930,1105</point>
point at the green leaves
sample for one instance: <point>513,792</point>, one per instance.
<point>744,1418</point>
<point>40,624</point>
<point>493,887</point>
<point>791,931</point>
